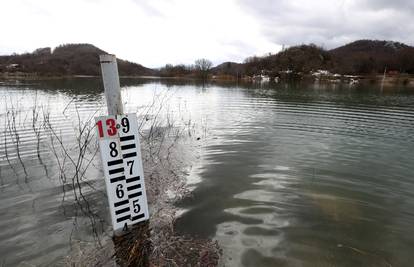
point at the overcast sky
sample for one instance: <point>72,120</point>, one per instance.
<point>156,32</point>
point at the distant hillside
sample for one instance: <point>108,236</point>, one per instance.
<point>368,56</point>
<point>370,46</point>
<point>69,59</point>
<point>359,57</point>
<point>228,68</point>
<point>299,59</point>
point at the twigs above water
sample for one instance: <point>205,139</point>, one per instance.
<point>72,155</point>
<point>72,160</point>
<point>12,132</point>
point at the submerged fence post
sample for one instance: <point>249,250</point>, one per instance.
<point>111,84</point>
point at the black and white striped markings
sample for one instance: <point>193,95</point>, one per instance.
<point>121,158</point>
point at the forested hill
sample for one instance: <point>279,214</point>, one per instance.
<point>69,59</point>
<point>367,56</point>
<point>359,57</point>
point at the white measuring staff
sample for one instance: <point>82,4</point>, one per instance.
<point>122,164</point>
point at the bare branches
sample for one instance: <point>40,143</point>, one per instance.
<point>76,155</point>
<point>14,135</point>
<point>68,138</point>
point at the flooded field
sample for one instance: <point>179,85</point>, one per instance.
<point>288,174</point>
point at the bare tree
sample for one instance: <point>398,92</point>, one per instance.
<point>203,67</point>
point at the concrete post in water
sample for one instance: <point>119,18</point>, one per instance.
<point>110,78</point>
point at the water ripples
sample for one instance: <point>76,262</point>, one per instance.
<point>306,183</point>
<point>288,177</point>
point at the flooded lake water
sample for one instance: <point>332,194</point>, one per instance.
<point>288,174</point>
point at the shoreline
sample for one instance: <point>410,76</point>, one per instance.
<point>390,80</point>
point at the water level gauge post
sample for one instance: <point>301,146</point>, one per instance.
<point>122,166</point>
<point>120,150</point>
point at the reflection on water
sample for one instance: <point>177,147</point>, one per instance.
<point>307,177</point>
<point>290,175</point>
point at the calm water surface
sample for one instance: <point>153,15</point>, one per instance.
<point>289,175</point>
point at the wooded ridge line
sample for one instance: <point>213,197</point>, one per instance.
<point>357,58</point>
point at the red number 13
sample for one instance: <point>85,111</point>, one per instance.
<point>111,127</point>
